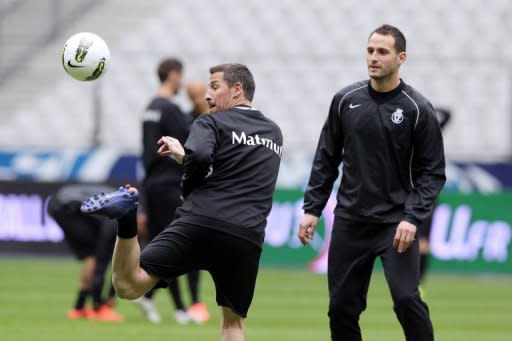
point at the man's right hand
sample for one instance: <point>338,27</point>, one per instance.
<point>169,146</point>
<point>307,228</point>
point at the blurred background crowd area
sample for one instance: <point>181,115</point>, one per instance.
<point>300,53</point>
<point>56,129</point>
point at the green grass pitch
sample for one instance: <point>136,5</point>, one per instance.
<point>289,304</point>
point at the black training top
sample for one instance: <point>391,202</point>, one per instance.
<point>162,118</point>
<point>231,164</point>
<point>392,152</point>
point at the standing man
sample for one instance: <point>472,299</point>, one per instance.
<point>231,162</point>
<point>387,136</point>
<point>162,178</point>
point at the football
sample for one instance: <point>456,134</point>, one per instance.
<point>85,56</point>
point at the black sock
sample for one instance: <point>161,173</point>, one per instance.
<point>80,300</point>
<point>97,305</point>
<point>174,290</point>
<point>150,294</point>
<point>193,283</point>
<point>423,265</point>
<point>97,300</point>
<point>127,225</point>
<point>112,292</point>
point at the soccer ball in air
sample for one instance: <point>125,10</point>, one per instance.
<point>85,56</point>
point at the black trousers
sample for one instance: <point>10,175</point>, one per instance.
<point>353,249</point>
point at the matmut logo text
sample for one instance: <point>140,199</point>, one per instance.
<point>256,140</point>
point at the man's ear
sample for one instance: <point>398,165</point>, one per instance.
<point>238,90</point>
<point>402,56</point>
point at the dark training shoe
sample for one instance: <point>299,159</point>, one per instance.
<point>114,204</point>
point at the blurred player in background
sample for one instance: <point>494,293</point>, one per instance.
<point>196,92</point>
<point>91,239</point>
<point>443,117</point>
<point>231,162</point>
<point>387,136</point>
<point>161,183</point>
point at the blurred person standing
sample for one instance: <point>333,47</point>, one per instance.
<point>91,239</point>
<point>161,183</point>
<point>196,92</point>
<point>387,137</point>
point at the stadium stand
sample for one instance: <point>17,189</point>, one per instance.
<point>300,53</point>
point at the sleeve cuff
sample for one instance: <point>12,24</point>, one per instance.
<point>413,221</point>
<point>313,213</point>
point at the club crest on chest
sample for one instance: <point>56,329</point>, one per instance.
<point>397,116</point>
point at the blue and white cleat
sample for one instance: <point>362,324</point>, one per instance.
<point>114,204</point>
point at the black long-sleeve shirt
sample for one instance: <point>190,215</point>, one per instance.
<point>392,153</point>
<point>162,118</point>
<point>231,165</point>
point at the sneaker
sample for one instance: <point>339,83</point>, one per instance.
<point>78,314</point>
<point>148,308</point>
<point>107,314</point>
<point>198,313</point>
<point>114,204</point>
<point>182,317</point>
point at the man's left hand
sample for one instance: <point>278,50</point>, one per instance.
<point>404,236</point>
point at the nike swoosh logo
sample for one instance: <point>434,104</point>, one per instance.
<point>353,106</point>
<point>71,65</point>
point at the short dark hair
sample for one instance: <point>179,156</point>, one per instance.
<point>388,30</point>
<point>233,73</point>
<point>168,65</point>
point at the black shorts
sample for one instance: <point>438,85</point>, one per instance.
<point>232,262</point>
